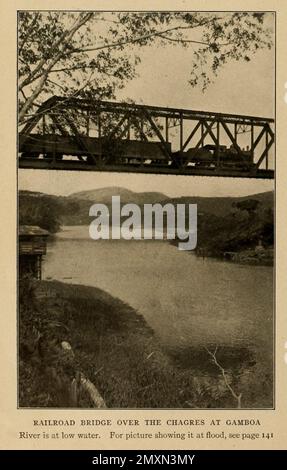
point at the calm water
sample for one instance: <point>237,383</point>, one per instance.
<point>188,301</point>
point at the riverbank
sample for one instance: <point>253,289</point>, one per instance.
<point>120,354</point>
<point>251,256</point>
<point>112,345</point>
<point>238,237</point>
<point>243,236</point>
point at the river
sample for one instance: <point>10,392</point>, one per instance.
<point>188,301</point>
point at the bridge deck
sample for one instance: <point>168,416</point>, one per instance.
<point>42,164</point>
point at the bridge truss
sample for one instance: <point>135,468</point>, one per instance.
<point>82,134</point>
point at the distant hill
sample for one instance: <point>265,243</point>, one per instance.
<point>50,212</point>
<point>104,196</point>
<point>221,206</point>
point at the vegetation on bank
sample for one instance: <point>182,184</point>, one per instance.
<point>117,351</point>
<point>249,227</point>
<point>243,234</point>
<point>45,210</point>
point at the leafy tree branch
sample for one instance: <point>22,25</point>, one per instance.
<point>72,45</point>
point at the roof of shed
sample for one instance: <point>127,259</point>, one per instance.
<point>32,230</point>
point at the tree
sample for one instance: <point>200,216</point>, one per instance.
<point>249,205</point>
<point>92,54</point>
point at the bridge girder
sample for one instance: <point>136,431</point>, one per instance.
<point>76,119</point>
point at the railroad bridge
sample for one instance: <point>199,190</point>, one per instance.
<point>82,134</point>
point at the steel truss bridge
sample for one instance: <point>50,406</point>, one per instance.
<point>82,134</point>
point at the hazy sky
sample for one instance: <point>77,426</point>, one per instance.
<point>243,88</point>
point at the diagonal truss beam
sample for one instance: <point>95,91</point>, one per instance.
<point>59,125</point>
<point>124,130</point>
<point>210,131</point>
<point>33,121</point>
<point>265,152</point>
<point>79,141</point>
<point>136,124</point>
<point>164,146</point>
<point>117,127</point>
<point>204,134</point>
<point>259,137</point>
<point>193,132</point>
<point>231,137</point>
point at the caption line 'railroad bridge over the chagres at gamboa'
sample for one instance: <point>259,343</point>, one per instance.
<point>77,134</point>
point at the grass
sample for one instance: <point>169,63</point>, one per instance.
<point>115,348</point>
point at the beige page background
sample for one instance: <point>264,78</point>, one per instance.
<point>14,420</point>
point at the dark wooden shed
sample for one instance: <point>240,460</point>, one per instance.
<point>32,247</point>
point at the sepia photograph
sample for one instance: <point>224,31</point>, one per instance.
<point>146,201</point>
